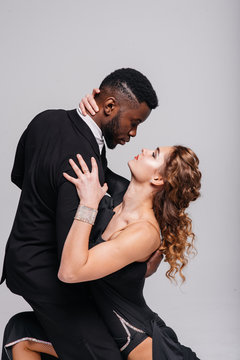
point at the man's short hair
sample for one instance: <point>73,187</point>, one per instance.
<point>133,84</point>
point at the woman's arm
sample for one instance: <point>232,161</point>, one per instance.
<point>78,263</point>
<point>116,183</point>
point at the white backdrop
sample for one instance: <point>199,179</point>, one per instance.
<point>55,51</point>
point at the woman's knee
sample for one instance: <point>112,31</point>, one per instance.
<point>24,345</point>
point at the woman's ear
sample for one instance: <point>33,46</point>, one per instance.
<point>109,106</point>
<point>157,180</point>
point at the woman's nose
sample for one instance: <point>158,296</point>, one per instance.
<point>146,152</point>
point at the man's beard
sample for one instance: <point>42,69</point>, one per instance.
<point>111,130</point>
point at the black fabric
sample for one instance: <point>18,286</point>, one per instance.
<point>45,212</point>
<point>23,326</point>
<point>121,295</point>
<point>76,332</point>
<point>117,184</point>
<point>44,215</point>
<point>48,203</point>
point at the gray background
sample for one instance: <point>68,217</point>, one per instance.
<point>53,52</point>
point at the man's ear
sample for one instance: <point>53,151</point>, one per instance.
<point>109,106</point>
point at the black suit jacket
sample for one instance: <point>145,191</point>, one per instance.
<point>48,203</point>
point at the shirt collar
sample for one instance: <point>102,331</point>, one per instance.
<point>97,132</point>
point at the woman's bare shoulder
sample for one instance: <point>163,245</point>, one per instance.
<point>143,236</point>
<point>147,225</point>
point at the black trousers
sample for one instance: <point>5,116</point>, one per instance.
<point>76,331</point>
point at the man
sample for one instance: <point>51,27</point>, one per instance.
<point>48,204</point>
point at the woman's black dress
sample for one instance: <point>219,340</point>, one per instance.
<point>119,299</point>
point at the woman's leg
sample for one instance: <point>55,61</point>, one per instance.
<point>30,350</point>
<point>143,351</point>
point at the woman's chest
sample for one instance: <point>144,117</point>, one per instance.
<point>115,226</point>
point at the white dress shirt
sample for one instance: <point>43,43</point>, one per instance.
<point>97,132</point>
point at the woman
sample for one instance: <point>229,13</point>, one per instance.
<point>150,216</point>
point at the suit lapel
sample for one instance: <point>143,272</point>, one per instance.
<point>105,214</point>
<point>104,159</point>
<point>84,130</point>
<point>87,133</point>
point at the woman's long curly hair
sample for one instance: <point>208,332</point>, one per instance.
<point>181,186</point>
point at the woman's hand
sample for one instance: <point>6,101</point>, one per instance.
<point>89,189</point>
<point>89,104</point>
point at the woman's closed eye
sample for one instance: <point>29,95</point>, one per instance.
<point>156,153</point>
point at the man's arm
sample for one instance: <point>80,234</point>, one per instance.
<point>67,203</point>
<point>153,263</point>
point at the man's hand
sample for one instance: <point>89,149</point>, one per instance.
<point>89,104</point>
<point>153,263</point>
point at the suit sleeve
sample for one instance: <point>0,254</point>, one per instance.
<point>17,173</point>
<point>67,203</point>
<point>116,184</point>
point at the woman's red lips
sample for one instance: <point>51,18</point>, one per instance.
<point>136,157</point>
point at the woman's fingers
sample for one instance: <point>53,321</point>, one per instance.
<point>70,178</point>
<point>89,104</point>
<point>75,168</point>
<point>83,169</point>
<point>87,183</point>
<point>105,188</point>
<point>94,166</point>
<point>85,105</point>
<point>83,164</point>
<point>92,99</point>
<point>82,108</point>
<point>95,91</point>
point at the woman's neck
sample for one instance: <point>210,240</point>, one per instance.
<point>137,202</point>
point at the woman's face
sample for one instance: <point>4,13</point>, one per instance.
<point>148,165</point>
